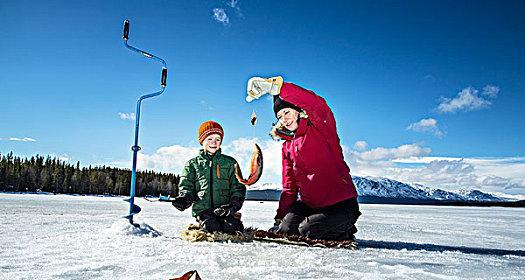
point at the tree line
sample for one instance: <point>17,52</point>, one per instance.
<point>39,174</point>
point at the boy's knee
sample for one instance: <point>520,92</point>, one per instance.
<point>211,226</point>
<point>209,223</point>
<point>232,225</point>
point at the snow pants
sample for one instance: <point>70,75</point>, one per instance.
<point>211,223</point>
<point>335,222</point>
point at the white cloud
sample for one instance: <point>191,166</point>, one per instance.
<point>469,99</point>
<point>457,174</point>
<point>241,150</point>
<point>426,125</point>
<point>403,151</point>
<point>503,175</point>
<point>499,182</point>
<point>172,158</point>
<point>501,167</point>
<point>490,91</point>
<point>430,78</point>
<point>360,145</point>
<point>509,167</point>
<point>220,15</point>
<point>233,3</point>
<point>206,106</point>
<point>423,160</point>
<point>167,159</point>
<point>63,157</point>
<point>16,139</point>
<point>407,163</point>
<point>126,116</point>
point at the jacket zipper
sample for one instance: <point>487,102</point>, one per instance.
<point>211,185</point>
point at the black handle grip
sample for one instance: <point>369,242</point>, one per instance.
<point>164,77</point>
<point>126,30</point>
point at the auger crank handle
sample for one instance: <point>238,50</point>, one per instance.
<point>164,77</point>
<point>126,30</point>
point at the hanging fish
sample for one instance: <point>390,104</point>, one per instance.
<point>256,168</point>
<point>254,118</point>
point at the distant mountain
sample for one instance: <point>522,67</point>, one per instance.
<point>267,191</point>
<point>387,191</point>
<point>269,194</point>
<point>391,189</point>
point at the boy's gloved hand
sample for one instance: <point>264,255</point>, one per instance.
<point>182,202</point>
<point>223,211</point>
<point>276,225</point>
<point>228,209</point>
<point>258,87</point>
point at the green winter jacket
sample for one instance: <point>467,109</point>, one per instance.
<point>210,181</point>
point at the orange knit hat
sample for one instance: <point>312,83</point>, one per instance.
<point>208,128</point>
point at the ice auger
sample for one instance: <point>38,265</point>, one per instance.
<point>135,209</point>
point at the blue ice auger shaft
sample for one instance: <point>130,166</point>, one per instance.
<point>135,209</point>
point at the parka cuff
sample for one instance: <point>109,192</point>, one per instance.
<point>236,202</point>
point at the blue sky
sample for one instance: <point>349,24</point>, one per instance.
<point>426,92</point>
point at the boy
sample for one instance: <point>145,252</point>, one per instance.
<point>208,182</point>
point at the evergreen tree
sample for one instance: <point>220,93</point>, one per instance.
<point>49,174</point>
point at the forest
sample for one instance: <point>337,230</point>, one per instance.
<point>47,174</point>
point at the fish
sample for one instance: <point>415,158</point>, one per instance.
<point>253,119</point>
<point>256,168</point>
<point>188,275</point>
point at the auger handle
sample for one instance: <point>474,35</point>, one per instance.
<point>164,77</point>
<point>126,30</point>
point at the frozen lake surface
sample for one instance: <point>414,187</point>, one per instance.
<point>75,237</point>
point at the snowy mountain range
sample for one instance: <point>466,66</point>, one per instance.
<point>383,190</point>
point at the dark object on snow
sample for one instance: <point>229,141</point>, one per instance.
<point>188,275</point>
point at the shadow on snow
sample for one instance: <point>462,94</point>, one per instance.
<point>436,248</point>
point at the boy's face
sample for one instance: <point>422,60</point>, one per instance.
<point>212,143</point>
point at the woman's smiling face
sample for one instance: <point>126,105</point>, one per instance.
<point>288,117</point>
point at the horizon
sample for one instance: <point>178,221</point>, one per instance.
<point>423,93</point>
<point>258,186</point>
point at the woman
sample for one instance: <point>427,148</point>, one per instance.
<point>319,199</point>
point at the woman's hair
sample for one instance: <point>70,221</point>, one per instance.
<point>279,104</point>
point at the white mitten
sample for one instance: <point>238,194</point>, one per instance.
<point>258,87</point>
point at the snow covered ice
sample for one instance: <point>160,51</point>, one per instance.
<point>77,237</point>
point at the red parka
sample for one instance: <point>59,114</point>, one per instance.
<point>313,163</point>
